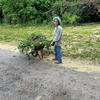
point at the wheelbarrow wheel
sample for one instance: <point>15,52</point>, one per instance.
<point>35,54</point>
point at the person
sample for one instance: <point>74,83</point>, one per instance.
<point>57,41</point>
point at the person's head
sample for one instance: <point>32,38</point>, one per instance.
<point>57,21</point>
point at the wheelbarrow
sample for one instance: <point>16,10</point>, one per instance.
<point>35,53</point>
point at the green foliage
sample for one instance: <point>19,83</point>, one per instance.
<point>58,8</point>
<point>43,11</point>
<point>81,13</point>
<point>89,12</point>
<point>34,40</point>
<point>1,14</point>
<point>71,17</point>
<point>24,46</point>
<point>24,11</point>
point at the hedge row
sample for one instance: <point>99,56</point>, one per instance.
<point>42,11</point>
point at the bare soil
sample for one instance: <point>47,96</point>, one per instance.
<point>23,79</point>
<point>74,64</point>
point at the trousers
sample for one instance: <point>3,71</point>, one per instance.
<point>58,53</point>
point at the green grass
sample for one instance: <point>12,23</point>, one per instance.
<point>78,41</point>
<point>16,33</point>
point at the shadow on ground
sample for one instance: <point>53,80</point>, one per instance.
<point>23,79</point>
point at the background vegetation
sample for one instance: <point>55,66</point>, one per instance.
<point>42,11</point>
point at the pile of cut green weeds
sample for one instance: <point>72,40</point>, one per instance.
<point>34,40</point>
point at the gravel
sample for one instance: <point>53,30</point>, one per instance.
<point>23,79</point>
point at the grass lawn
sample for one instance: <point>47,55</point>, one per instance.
<point>78,41</point>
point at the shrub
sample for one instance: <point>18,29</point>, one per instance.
<point>81,13</point>
<point>72,16</point>
<point>42,11</point>
<point>25,11</point>
<point>1,13</point>
<point>70,19</point>
<point>88,12</point>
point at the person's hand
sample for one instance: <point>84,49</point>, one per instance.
<point>53,43</point>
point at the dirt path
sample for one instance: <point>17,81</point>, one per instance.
<point>21,79</point>
<point>74,64</point>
